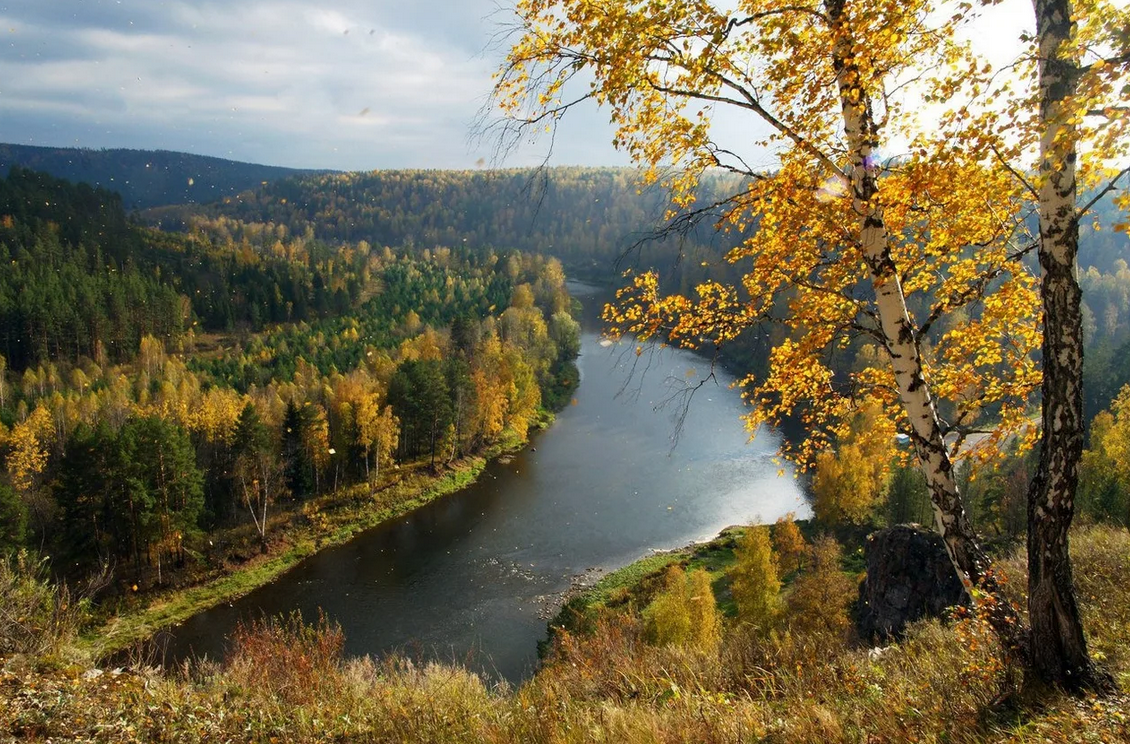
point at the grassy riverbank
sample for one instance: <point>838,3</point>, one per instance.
<point>945,682</point>
<point>294,535</point>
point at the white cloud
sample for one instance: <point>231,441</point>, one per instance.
<point>274,82</point>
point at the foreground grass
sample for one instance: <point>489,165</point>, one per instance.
<point>325,521</point>
<point>289,682</point>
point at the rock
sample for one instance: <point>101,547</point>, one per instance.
<point>908,577</point>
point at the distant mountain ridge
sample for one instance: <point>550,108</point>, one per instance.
<point>147,178</point>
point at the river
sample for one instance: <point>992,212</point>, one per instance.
<point>470,577</point>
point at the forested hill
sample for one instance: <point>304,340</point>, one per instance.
<point>81,280</point>
<point>589,218</point>
<point>146,178</point>
<point>141,370</point>
<point>586,217</point>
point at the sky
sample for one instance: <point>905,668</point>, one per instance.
<point>343,84</point>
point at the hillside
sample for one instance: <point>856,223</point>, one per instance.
<point>145,178</point>
<point>799,681</point>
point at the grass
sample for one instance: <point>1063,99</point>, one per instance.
<point>288,682</point>
<point>633,585</point>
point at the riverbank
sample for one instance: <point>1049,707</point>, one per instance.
<point>285,682</point>
<point>626,585</point>
<point>295,535</point>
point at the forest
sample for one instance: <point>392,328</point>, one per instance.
<point>599,223</point>
<point>268,297</point>
<point>158,389</point>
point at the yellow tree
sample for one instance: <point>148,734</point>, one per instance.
<point>755,578</point>
<point>704,615</point>
<point>789,541</point>
<point>1105,466</point>
<point>850,482</point>
<point>684,613</point>
<point>28,445</point>
<point>667,618</point>
<point>839,235</point>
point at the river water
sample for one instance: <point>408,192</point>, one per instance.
<point>470,577</point>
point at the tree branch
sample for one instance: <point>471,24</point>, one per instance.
<point>970,293</point>
<point>1018,176</point>
<point>1108,188</point>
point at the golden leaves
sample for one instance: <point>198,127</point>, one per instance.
<point>27,443</point>
<point>950,214</point>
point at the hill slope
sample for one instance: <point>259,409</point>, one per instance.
<point>146,178</point>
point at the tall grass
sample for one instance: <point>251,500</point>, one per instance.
<point>36,616</point>
<point>288,681</point>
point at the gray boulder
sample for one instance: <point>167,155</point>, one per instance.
<point>908,577</point>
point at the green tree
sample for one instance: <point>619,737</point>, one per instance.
<point>298,468</point>
<point>13,520</point>
<point>162,473</point>
<point>257,469</point>
<point>420,399</point>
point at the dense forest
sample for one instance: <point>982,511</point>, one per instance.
<point>598,222</point>
<point>156,388</point>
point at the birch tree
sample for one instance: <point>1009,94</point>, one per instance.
<point>837,234</point>
<point>1080,98</point>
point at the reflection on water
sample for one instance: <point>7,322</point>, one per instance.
<point>468,577</point>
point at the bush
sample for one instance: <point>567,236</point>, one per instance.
<point>820,598</point>
<point>37,617</point>
<point>755,578</point>
<point>286,658</point>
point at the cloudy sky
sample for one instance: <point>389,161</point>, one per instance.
<point>347,84</point>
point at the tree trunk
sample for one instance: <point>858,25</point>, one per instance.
<point>971,563</point>
<point>1058,644</point>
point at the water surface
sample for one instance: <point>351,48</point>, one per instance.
<point>470,576</point>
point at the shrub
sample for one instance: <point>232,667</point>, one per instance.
<point>37,617</point>
<point>286,658</point>
<point>755,578</point>
<point>821,596</point>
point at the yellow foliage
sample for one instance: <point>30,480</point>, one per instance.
<point>789,541</point>
<point>667,618</point>
<point>851,481</point>
<point>755,578</point>
<point>936,234</point>
<point>684,613</point>
<point>28,443</point>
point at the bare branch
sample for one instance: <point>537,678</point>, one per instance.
<point>1108,188</point>
<point>1014,173</point>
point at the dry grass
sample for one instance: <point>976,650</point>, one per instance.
<point>288,682</point>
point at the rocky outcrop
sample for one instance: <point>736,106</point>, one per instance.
<point>908,577</point>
